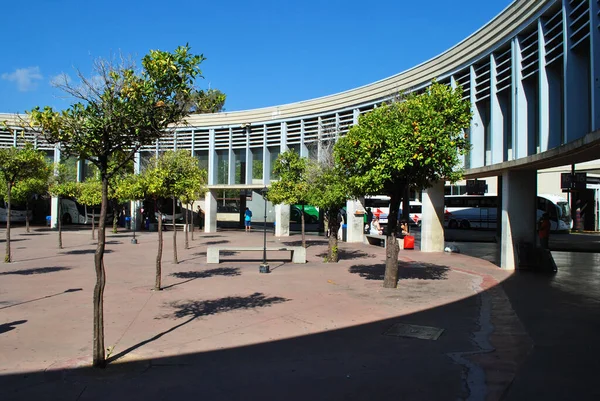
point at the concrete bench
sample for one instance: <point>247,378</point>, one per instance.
<point>212,252</point>
<point>380,240</point>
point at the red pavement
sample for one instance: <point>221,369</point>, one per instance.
<point>227,332</point>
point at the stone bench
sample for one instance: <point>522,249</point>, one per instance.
<point>380,240</point>
<point>212,252</point>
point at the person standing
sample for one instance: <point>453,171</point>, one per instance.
<point>544,231</point>
<point>248,219</point>
<point>200,218</point>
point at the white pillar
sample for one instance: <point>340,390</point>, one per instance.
<point>496,116</point>
<point>355,231</point>
<point>54,202</point>
<point>282,220</point>
<point>432,224</point>
<point>519,190</point>
<point>210,211</point>
<point>477,133</point>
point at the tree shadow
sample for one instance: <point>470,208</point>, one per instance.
<point>113,243</point>
<point>30,234</point>
<point>309,242</point>
<point>406,271</point>
<point>196,309</point>
<point>209,236</point>
<point>83,251</point>
<point>193,275</point>
<point>216,242</point>
<point>10,326</point>
<point>44,297</point>
<point>14,240</point>
<point>349,254</point>
<point>37,270</point>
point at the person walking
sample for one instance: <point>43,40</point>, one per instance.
<point>248,219</point>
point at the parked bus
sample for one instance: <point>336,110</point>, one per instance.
<point>73,212</point>
<point>17,213</point>
<point>380,205</point>
<point>481,211</point>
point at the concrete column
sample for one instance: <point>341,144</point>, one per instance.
<point>432,224</point>
<point>303,147</point>
<point>355,232</point>
<point>519,190</point>
<point>520,117</point>
<point>282,220</point>
<point>595,64</point>
<point>496,117</point>
<point>544,92</point>
<point>136,205</point>
<point>54,200</point>
<point>212,158</point>
<point>210,211</point>
<point>230,160</point>
<point>477,133</point>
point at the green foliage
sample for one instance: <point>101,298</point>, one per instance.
<point>173,173</point>
<point>209,101</point>
<point>127,111</point>
<point>90,192</point>
<point>413,142</point>
<point>17,164</point>
<point>63,183</point>
<point>291,188</point>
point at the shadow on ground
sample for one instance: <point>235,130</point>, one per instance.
<point>309,243</point>
<point>406,271</point>
<point>195,309</point>
<point>216,242</point>
<point>349,254</point>
<point>193,275</point>
<point>83,251</point>
<point>10,326</point>
<point>37,270</point>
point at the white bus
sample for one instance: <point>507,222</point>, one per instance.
<point>481,211</point>
<point>76,213</point>
<point>380,205</point>
<point>17,213</point>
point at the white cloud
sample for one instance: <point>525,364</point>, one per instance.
<point>60,79</point>
<point>26,78</point>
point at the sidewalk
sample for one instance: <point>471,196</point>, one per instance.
<point>227,332</point>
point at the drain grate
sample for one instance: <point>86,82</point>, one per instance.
<point>414,331</point>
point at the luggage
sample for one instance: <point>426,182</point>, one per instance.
<point>409,242</point>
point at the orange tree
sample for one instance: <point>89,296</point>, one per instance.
<point>117,112</point>
<point>412,143</point>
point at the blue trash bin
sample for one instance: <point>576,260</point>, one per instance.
<point>48,220</point>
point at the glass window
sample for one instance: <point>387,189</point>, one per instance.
<point>257,165</point>
<point>222,166</point>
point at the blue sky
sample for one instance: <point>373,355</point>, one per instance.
<point>260,53</point>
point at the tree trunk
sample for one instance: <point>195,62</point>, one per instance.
<point>302,221</point>
<point>115,220</point>
<point>333,255</point>
<point>391,247</point>
<point>175,261</point>
<point>59,223</point>
<point>7,257</point>
<point>192,220</point>
<point>157,281</point>
<point>187,243</point>
<point>93,224</point>
<point>99,359</point>
<point>27,215</point>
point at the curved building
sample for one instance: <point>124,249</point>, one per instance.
<point>532,75</point>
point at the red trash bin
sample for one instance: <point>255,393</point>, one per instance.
<point>409,242</point>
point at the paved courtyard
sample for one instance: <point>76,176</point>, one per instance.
<point>226,332</point>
